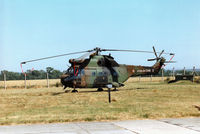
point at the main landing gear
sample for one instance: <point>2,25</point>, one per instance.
<point>115,89</point>
<point>73,91</point>
<point>100,89</point>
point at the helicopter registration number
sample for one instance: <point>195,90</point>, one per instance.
<point>143,71</point>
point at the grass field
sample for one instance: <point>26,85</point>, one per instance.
<point>137,100</point>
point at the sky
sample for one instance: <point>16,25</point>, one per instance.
<point>39,28</point>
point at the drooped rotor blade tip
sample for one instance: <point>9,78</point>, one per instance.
<point>172,54</point>
<point>23,62</point>
<point>170,61</point>
<point>161,53</point>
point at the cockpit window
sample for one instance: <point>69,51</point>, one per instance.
<point>82,72</point>
<point>70,70</point>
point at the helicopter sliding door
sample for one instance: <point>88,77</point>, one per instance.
<point>101,79</point>
<point>90,76</point>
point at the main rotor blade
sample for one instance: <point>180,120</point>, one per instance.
<point>24,62</point>
<point>85,55</point>
<point>136,51</point>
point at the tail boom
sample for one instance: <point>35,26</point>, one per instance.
<point>145,70</point>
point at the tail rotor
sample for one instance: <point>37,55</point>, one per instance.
<point>157,57</point>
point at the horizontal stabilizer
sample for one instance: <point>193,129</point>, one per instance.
<point>170,61</point>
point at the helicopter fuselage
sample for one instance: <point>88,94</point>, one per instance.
<point>101,70</point>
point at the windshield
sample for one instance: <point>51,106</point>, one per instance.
<point>70,70</point>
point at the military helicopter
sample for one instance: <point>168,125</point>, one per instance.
<point>102,71</point>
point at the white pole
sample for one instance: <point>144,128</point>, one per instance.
<point>47,80</point>
<point>162,74</point>
<point>193,73</point>
<point>184,71</point>
<point>4,74</point>
<point>25,80</point>
<point>173,72</point>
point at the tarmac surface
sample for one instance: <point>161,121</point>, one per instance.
<point>164,126</point>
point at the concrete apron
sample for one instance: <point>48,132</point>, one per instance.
<point>164,126</point>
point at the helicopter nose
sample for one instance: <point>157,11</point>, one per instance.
<point>66,80</point>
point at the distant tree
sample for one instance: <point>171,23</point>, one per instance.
<point>10,75</point>
<point>49,69</point>
<point>1,75</point>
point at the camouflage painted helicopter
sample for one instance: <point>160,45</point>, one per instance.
<point>102,71</point>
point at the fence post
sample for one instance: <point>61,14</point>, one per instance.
<point>193,70</point>
<point>47,80</point>
<point>162,74</point>
<point>4,75</point>
<point>193,73</point>
<point>25,80</point>
<point>139,78</point>
<point>184,71</point>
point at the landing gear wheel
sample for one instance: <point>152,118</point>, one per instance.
<point>100,89</point>
<point>74,91</point>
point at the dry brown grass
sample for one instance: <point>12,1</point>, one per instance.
<point>134,101</point>
<point>11,84</point>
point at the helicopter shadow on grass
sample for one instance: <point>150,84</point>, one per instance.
<point>129,89</point>
<point>69,91</point>
<point>95,91</point>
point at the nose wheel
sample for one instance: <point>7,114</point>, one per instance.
<point>115,89</point>
<point>74,91</point>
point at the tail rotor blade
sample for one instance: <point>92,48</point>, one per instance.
<point>155,52</point>
<point>152,59</point>
<point>161,53</point>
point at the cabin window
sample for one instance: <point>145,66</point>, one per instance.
<point>93,73</point>
<point>100,73</point>
<point>99,63</point>
<point>114,73</point>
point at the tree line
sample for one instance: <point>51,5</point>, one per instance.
<point>32,74</point>
<point>55,74</point>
